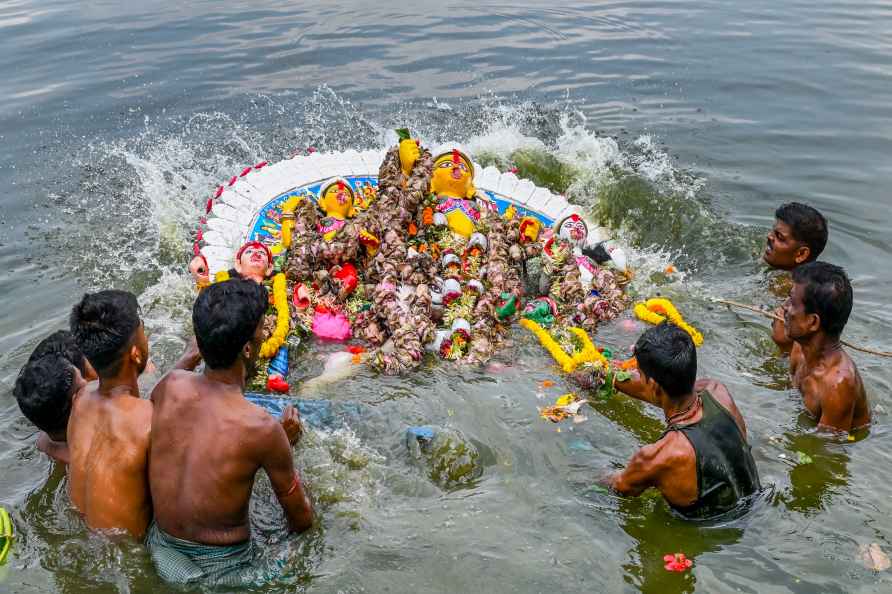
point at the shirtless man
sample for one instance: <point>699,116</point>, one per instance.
<point>208,443</point>
<point>702,464</point>
<point>798,236</point>
<point>814,317</point>
<point>45,387</point>
<point>108,431</point>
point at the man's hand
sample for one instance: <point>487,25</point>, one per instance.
<point>190,358</point>
<point>409,153</point>
<point>294,429</point>
<point>779,331</point>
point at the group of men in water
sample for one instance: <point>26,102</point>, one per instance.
<point>703,464</point>
<point>178,468</point>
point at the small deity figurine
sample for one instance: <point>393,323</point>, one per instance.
<point>254,261</point>
<point>452,184</point>
<point>576,276</point>
<point>336,200</point>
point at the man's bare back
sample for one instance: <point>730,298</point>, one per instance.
<point>108,440</point>
<point>108,430</point>
<point>208,443</point>
<point>670,463</point>
<point>832,390</point>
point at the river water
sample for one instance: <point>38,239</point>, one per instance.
<point>683,123</point>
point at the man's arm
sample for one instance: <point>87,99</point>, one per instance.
<point>779,333</point>
<point>636,388</point>
<point>190,358</point>
<point>55,450</point>
<point>640,473</point>
<point>278,463</point>
<point>837,398</point>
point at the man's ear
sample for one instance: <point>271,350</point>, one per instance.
<point>247,350</point>
<point>652,386</point>
<point>803,253</point>
<point>814,322</point>
<point>136,356</point>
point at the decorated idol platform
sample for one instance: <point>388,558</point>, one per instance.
<point>407,255</point>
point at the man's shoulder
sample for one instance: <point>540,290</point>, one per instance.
<point>174,381</point>
<point>841,376</point>
<point>718,390</point>
<point>667,452</point>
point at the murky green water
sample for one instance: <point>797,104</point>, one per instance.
<point>683,124</point>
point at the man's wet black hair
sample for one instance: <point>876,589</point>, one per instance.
<point>667,354</point>
<point>807,224</point>
<point>103,324</point>
<point>61,342</point>
<point>225,317</point>
<point>43,391</point>
<point>827,292</point>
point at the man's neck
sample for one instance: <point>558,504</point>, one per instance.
<point>233,376</point>
<point>679,409</point>
<point>818,346</point>
<point>123,384</point>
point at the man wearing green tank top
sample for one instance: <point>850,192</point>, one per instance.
<point>702,464</point>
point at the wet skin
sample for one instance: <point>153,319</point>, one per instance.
<point>670,464</point>
<point>208,443</point>
<point>783,252</point>
<point>108,439</point>
<point>831,387</point>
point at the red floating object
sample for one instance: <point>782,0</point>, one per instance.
<point>677,562</point>
<point>275,383</point>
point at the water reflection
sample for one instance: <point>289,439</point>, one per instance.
<point>819,470</point>
<point>658,532</point>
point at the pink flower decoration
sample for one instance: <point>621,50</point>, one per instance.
<point>677,562</point>
<point>331,325</point>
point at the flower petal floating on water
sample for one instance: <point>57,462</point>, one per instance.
<point>677,562</point>
<point>873,557</point>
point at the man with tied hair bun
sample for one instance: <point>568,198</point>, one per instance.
<point>815,315</point>
<point>108,431</point>
<point>208,443</point>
